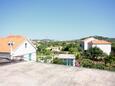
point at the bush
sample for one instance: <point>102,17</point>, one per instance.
<point>44,58</point>
<point>57,61</point>
<point>99,66</point>
<point>87,63</point>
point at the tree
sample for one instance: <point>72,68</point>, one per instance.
<point>43,53</point>
<point>57,61</point>
<point>95,53</point>
<point>87,63</point>
<point>72,50</point>
<point>109,59</point>
<point>41,47</point>
<point>113,48</point>
<point>86,54</point>
<point>68,46</point>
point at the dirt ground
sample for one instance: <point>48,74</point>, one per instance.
<point>39,74</point>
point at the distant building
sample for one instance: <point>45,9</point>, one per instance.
<point>68,59</point>
<point>55,49</point>
<point>17,47</point>
<point>105,46</point>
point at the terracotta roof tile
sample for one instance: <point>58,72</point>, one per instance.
<point>17,40</point>
<point>100,42</point>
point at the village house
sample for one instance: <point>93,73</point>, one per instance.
<point>17,47</point>
<point>105,46</point>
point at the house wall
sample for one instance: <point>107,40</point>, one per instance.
<point>26,50</point>
<point>86,43</point>
<point>106,48</point>
<point>73,62</point>
<point>33,55</point>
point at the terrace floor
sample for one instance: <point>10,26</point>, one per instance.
<point>39,74</point>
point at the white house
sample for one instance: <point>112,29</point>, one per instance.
<point>85,42</point>
<point>105,46</point>
<point>17,47</point>
<point>68,59</point>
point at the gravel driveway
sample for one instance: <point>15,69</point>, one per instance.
<point>39,74</point>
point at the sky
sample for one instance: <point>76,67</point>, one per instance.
<point>57,19</point>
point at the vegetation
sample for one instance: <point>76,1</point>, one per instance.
<point>99,66</point>
<point>100,60</point>
<point>87,63</point>
<point>113,49</point>
<point>43,54</point>
<point>92,58</point>
<point>57,61</point>
<point>94,53</point>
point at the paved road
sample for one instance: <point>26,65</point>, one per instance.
<point>39,74</point>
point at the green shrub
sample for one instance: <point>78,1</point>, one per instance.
<point>57,61</point>
<point>99,66</point>
<point>87,63</point>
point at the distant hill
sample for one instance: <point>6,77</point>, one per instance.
<point>102,38</point>
<point>44,40</point>
<point>47,40</point>
<point>76,40</point>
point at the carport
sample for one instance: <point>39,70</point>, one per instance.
<point>5,56</point>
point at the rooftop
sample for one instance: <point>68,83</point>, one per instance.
<point>40,74</point>
<point>100,42</point>
<point>69,56</point>
<point>95,41</point>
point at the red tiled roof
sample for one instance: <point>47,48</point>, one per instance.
<point>100,42</point>
<point>16,39</point>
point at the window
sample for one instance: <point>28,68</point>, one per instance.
<point>25,45</point>
<point>68,62</point>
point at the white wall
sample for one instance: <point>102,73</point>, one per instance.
<point>73,62</point>
<point>21,50</point>
<point>106,48</point>
<point>86,43</point>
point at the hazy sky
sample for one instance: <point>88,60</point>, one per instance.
<point>57,19</point>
